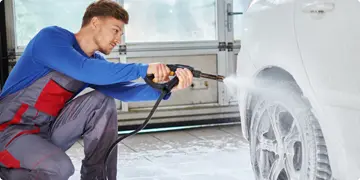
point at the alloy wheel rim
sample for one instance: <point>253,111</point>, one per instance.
<point>278,145</point>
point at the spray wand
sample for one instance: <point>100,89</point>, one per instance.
<point>165,88</point>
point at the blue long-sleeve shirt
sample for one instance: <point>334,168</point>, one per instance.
<point>55,48</point>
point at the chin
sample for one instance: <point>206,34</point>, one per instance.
<point>106,52</point>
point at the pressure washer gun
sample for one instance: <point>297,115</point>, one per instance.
<point>165,88</point>
<point>174,81</point>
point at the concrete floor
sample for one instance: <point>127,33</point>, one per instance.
<point>215,153</point>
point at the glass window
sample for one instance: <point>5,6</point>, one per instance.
<point>170,20</point>
<point>239,6</point>
<point>33,15</point>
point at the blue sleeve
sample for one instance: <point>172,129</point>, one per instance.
<point>130,91</point>
<point>54,49</point>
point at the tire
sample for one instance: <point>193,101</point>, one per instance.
<point>286,141</point>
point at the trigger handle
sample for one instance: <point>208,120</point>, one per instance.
<point>168,86</point>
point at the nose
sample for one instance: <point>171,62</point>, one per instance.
<point>118,39</point>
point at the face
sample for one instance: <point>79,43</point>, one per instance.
<point>108,32</point>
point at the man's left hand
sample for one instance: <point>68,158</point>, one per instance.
<point>185,79</point>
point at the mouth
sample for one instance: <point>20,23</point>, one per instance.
<point>112,45</point>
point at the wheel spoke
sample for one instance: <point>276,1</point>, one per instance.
<point>276,169</point>
<point>292,136</point>
<point>262,162</point>
<point>274,121</point>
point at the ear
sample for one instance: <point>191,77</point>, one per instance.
<point>95,22</point>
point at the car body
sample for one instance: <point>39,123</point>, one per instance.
<point>316,43</point>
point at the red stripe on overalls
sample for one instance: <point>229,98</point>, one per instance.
<point>9,160</point>
<point>6,158</point>
<point>52,98</point>
<point>17,117</point>
<point>33,131</point>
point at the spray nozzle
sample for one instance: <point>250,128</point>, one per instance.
<point>196,73</point>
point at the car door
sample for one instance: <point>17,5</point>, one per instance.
<point>328,33</point>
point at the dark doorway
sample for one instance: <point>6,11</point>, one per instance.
<point>4,63</point>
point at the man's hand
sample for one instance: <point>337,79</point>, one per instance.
<point>161,73</point>
<point>185,79</point>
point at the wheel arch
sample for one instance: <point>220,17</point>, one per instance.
<point>272,73</point>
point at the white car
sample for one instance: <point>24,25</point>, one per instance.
<point>302,116</point>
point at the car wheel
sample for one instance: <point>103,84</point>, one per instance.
<point>286,141</point>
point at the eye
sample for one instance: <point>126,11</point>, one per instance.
<point>116,31</point>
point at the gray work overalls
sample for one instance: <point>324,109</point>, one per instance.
<point>39,123</point>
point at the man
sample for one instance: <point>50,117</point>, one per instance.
<point>39,117</point>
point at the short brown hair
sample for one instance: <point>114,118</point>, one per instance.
<point>105,8</point>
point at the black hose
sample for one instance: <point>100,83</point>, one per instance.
<point>163,94</point>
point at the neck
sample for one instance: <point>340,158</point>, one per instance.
<point>86,42</point>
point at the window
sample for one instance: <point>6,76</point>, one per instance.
<point>170,20</point>
<point>150,21</point>
<point>33,15</point>
<point>239,6</point>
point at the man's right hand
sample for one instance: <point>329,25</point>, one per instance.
<point>160,71</point>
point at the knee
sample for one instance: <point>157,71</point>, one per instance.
<point>107,101</point>
<point>59,166</point>
<point>65,168</point>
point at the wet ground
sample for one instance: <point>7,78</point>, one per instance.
<point>215,153</point>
